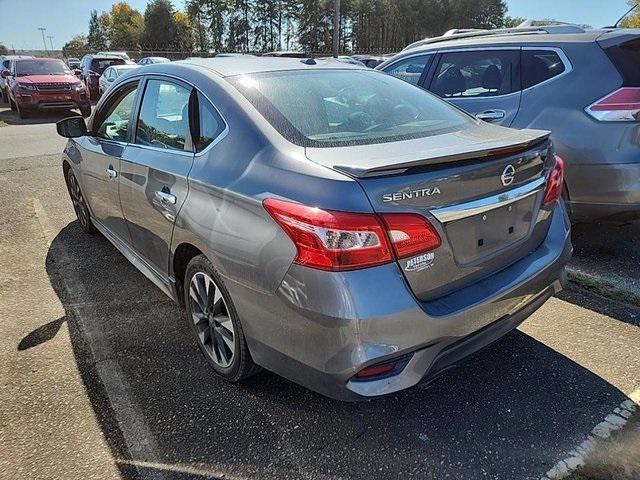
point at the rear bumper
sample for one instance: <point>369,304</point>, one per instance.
<point>604,192</point>
<point>321,328</point>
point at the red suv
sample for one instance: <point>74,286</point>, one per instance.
<point>45,84</point>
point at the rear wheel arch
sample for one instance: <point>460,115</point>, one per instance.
<point>182,255</point>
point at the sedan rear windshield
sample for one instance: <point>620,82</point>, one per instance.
<point>39,67</point>
<point>99,65</point>
<point>324,108</point>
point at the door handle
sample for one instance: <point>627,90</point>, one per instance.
<point>489,115</point>
<point>165,196</point>
<point>111,172</point>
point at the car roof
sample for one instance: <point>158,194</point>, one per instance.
<point>229,66</point>
<point>125,66</point>
<point>513,38</point>
<point>39,59</point>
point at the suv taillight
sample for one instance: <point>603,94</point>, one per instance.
<point>553,190</point>
<point>332,240</point>
<point>623,105</point>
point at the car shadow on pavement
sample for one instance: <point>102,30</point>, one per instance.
<point>11,118</point>
<point>510,411</point>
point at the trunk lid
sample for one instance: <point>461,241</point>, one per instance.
<point>481,188</point>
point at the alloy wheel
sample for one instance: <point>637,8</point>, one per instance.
<point>77,199</point>
<point>211,319</point>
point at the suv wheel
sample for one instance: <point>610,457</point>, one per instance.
<point>79,204</point>
<point>214,322</point>
<point>23,112</point>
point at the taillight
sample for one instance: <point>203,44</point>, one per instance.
<point>333,240</point>
<point>623,105</point>
<point>410,234</point>
<point>553,190</point>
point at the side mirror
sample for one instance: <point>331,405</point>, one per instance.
<point>77,72</point>
<point>5,74</point>
<point>72,127</point>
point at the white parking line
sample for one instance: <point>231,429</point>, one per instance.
<point>614,421</point>
<point>137,435</point>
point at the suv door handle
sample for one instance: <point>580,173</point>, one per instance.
<point>165,196</point>
<point>111,172</point>
<point>489,115</point>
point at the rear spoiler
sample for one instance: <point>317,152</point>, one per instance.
<point>493,149</point>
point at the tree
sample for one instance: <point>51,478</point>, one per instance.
<point>159,26</point>
<point>183,39</point>
<point>196,19</point>
<point>125,27</point>
<point>97,38</point>
<point>76,47</point>
<point>512,22</point>
<point>632,20</point>
<point>3,50</point>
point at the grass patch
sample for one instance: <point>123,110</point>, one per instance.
<point>616,458</point>
<point>602,287</point>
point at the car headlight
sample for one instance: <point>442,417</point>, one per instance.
<point>26,87</point>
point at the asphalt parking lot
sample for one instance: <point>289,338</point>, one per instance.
<point>100,378</point>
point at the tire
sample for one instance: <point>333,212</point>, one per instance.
<point>23,113</point>
<point>214,322</point>
<point>79,204</point>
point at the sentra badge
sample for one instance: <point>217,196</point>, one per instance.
<point>420,262</point>
<point>409,194</point>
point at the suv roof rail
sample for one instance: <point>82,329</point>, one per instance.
<point>521,29</point>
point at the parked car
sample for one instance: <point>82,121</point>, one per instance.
<point>37,84</point>
<point>92,66</point>
<point>152,60</point>
<point>73,63</point>
<point>110,74</point>
<point>330,223</point>
<point>122,55</point>
<point>5,65</point>
<point>370,61</point>
<point>581,85</point>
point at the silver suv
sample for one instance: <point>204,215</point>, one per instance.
<point>325,221</point>
<point>584,86</point>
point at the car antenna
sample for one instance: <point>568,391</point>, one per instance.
<point>615,25</point>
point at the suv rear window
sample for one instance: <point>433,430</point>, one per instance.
<point>324,108</point>
<point>99,65</point>
<point>626,58</point>
<point>539,66</point>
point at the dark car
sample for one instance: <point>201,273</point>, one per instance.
<point>38,84</point>
<point>92,67</point>
<point>322,220</point>
<point>582,85</point>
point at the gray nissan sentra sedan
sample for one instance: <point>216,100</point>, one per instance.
<point>330,223</point>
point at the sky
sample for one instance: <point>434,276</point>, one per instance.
<point>63,19</point>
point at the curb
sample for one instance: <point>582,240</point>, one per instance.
<point>604,286</point>
<point>612,422</point>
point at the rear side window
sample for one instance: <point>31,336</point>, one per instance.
<point>626,58</point>
<point>410,69</point>
<point>211,124</point>
<point>539,66</point>
<point>164,117</point>
<point>482,73</point>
